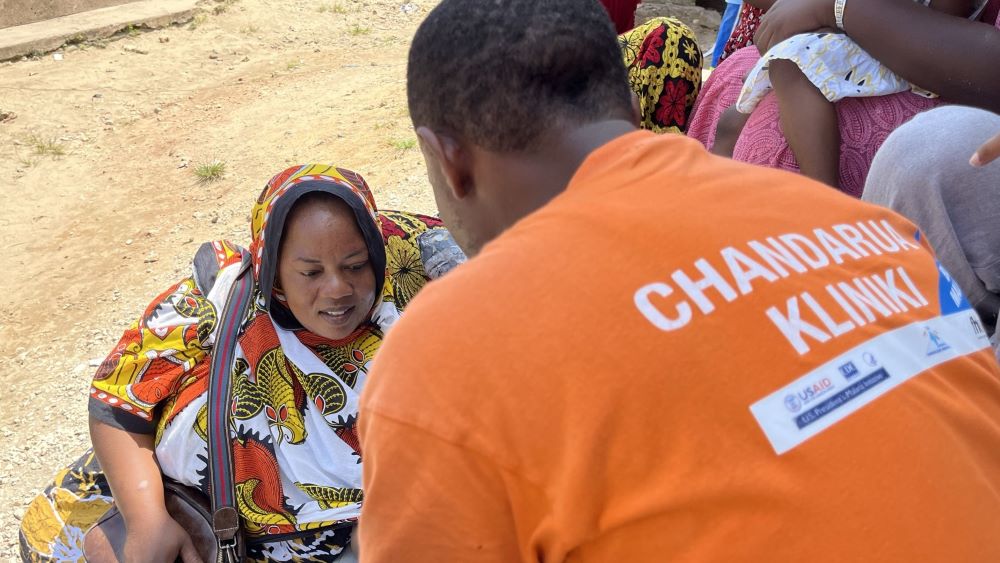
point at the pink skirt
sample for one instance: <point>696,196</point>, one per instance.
<point>864,123</point>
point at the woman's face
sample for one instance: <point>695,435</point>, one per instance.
<point>324,270</point>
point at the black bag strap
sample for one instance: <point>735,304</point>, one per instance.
<point>225,516</point>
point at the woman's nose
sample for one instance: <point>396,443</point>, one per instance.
<point>336,287</point>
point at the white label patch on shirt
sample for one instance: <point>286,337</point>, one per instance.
<point>825,396</point>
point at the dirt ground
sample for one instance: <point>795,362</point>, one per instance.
<point>88,237</point>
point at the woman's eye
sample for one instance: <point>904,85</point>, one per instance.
<point>358,267</point>
<point>309,274</point>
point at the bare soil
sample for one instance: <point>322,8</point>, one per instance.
<point>89,236</point>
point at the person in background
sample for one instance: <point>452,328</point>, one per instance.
<point>622,13</point>
<point>955,202</point>
<point>664,66</point>
<point>949,55</point>
<point>744,29</point>
<point>808,73</point>
<point>729,18</point>
<point>654,353</point>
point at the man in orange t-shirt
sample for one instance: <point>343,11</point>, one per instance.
<point>656,354</point>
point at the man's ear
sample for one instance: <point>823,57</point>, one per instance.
<point>450,157</point>
<point>636,110</point>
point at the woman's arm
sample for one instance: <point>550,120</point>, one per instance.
<point>952,56</point>
<point>129,464</point>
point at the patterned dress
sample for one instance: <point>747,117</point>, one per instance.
<point>664,66</point>
<point>296,458</point>
<point>743,33</point>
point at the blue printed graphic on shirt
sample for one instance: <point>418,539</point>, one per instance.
<point>951,297</point>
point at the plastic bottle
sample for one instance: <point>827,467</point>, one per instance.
<point>439,252</point>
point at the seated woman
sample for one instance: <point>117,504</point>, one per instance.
<point>664,66</point>
<point>953,57</point>
<point>331,275</point>
<point>955,202</point>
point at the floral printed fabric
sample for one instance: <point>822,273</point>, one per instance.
<point>664,69</point>
<point>295,450</point>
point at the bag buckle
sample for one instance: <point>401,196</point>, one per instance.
<point>227,551</point>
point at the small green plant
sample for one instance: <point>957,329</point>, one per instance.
<point>292,65</point>
<point>197,20</point>
<point>26,161</point>
<point>335,8</point>
<point>44,146</point>
<point>403,144</point>
<point>131,30</point>
<point>358,30</point>
<point>210,171</point>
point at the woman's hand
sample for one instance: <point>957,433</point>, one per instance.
<point>159,538</point>
<point>792,17</point>
<point>987,153</point>
<point>129,463</point>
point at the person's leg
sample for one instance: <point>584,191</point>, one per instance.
<point>809,122</point>
<point>728,131</point>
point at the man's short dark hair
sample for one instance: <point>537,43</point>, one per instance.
<point>499,73</point>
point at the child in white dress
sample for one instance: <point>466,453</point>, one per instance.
<point>809,72</point>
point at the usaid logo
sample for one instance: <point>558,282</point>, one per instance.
<point>795,401</point>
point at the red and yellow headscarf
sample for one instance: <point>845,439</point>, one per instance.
<point>267,223</point>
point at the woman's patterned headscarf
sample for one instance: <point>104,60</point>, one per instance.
<point>267,224</point>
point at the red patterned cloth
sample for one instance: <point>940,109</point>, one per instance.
<point>744,31</point>
<point>622,12</point>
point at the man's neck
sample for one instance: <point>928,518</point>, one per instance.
<point>534,178</point>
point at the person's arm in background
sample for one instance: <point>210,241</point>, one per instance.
<point>951,56</point>
<point>129,463</point>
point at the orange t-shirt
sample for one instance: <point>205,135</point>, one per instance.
<point>684,358</point>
